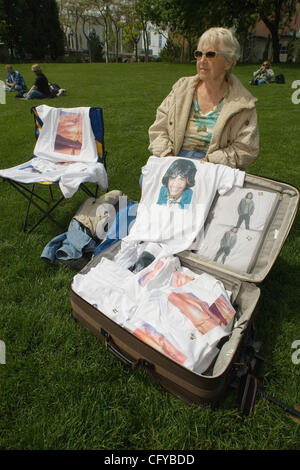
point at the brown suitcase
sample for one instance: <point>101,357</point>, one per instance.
<point>179,380</point>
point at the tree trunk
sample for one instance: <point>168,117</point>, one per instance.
<point>273,27</point>
<point>87,41</point>
<point>189,50</point>
<point>276,47</point>
<point>76,35</point>
<point>117,44</point>
<point>106,41</point>
<point>182,50</point>
<point>146,45</point>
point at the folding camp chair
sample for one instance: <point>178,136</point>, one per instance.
<point>69,152</point>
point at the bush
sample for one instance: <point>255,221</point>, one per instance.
<point>70,59</point>
<point>95,47</point>
<point>171,52</point>
<point>294,51</point>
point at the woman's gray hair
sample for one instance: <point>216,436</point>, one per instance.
<point>225,39</point>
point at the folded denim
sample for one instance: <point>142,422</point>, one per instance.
<point>73,244</point>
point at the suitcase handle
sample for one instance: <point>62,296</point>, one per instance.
<point>118,353</point>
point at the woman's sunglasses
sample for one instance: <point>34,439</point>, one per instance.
<point>208,54</point>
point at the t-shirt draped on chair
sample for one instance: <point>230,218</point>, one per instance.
<point>65,152</point>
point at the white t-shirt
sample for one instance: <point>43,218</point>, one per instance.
<point>176,196</point>
<point>66,135</point>
<point>102,288</point>
<point>178,312</point>
<point>185,323</point>
<point>131,252</point>
<point>154,277</point>
<point>160,325</point>
<point>235,225</point>
<point>233,204</point>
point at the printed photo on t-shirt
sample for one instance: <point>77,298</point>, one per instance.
<point>177,183</point>
<point>227,243</point>
<point>234,227</point>
<point>143,281</point>
<point>223,309</point>
<point>69,133</point>
<point>195,309</point>
<point>179,279</point>
<point>149,335</point>
<point>203,316</point>
<point>243,208</point>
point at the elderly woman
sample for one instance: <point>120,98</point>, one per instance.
<point>40,89</point>
<point>210,115</point>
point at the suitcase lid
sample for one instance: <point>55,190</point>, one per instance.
<point>271,240</point>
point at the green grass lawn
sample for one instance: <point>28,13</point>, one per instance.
<point>60,389</point>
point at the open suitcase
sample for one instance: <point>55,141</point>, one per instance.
<point>188,385</point>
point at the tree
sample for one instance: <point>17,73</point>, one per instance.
<point>3,22</point>
<point>187,19</point>
<point>143,10</point>
<point>102,8</point>
<point>171,51</point>
<point>33,28</point>
<point>132,34</point>
<point>70,15</point>
<point>95,47</point>
<point>116,17</point>
<point>11,32</point>
<point>276,14</point>
<point>191,18</point>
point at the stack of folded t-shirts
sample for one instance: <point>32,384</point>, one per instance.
<point>182,314</point>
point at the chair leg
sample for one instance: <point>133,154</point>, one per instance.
<point>47,214</point>
<point>27,209</point>
<point>30,198</point>
<point>51,193</point>
<point>88,191</point>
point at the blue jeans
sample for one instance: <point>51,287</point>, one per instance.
<point>34,94</point>
<point>72,244</point>
<point>191,154</point>
<point>16,88</point>
<point>260,81</point>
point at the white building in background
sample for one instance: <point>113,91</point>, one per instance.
<point>158,40</point>
<point>76,32</point>
<point>77,42</point>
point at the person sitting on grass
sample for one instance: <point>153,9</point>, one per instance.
<point>14,80</point>
<point>40,89</point>
<point>263,75</point>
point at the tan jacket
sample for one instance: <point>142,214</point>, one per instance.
<point>235,139</point>
<point>94,214</point>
